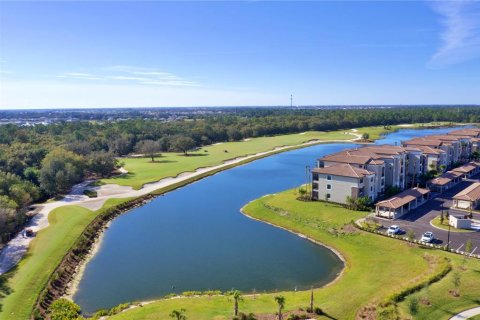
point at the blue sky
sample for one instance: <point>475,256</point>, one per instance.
<point>145,54</point>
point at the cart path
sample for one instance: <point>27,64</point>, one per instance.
<point>466,314</point>
<point>16,248</point>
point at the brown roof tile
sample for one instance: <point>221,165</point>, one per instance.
<point>471,193</point>
<point>403,198</point>
<point>343,170</point>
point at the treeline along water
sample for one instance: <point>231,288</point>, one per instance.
<point>195,238</point>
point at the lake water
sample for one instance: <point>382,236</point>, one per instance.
<point>195,238</point>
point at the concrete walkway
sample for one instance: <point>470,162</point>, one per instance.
<point>466,314</point>
<point>12,253</point>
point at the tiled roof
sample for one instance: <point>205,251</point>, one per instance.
<point>445,178</point>
<point>402,198</point>
<point>443,137</point>
<point>466,168</point>
<point>423,142</point>
<point>472,193</point>
<point>429,150</point>
<point>348,156</point>
<point>472,132</point>
<point>343,170</point>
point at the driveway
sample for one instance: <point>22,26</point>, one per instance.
<point>418,220</point>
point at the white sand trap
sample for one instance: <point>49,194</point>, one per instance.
<point>16,248</point>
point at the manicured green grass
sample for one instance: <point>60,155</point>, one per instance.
<point>442,304</point>
<point>142,170</point>
<point>375,266</point>
<point>436,222</point>
<point>44,254</point>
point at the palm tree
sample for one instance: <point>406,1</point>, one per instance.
<point>281,304</point>
<point>237,296</point>
<point>178,314</point>
<point>311,301</point>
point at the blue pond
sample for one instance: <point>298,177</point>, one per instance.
<point>195,238</point>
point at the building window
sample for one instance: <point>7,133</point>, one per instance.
<point>315,176</point>
<point>329,187</point>
<point>361,180</point>
<point>328,195</point>
<point>329,177</point>
<point>371,179</point>
<point>371,188</point>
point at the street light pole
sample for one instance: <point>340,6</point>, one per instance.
<point>448,237</point>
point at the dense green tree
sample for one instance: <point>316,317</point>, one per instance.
<point>60,170</point>
<point>63,309</point>
<point>102,163</point>
<point>182,144</point>
<point>148,148</point>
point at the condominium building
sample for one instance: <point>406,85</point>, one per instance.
<point>336,182</point>
<point>370,170</point>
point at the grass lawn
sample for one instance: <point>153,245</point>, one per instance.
<point>442,304</point>
<point>436,222</point>
<point>375,266</point>
<point>142,170</point>
<point>45,252</point>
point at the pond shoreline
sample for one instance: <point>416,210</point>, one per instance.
<point>66,286</point>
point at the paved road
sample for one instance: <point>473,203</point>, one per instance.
<point>419,219</point>
<point>466,314</point>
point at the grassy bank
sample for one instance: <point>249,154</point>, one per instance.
<point>436,301</point>
<point>375,266</point>
<point>66,223</point>
<point>142,170</point>
<point>46,251</point>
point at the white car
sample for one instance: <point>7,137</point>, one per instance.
<point>427,237</point>
<point>394,229</point>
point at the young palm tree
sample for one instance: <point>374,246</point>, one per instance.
<point>237,297</point>
<point>281,304</point>
<point>311,301</point>
<point>178,314</point>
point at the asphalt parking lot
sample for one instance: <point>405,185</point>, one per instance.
<point>418,220</point>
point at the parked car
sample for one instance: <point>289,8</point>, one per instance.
<point>29,233</point>
<point>393,229</point>
<point>427,237</point>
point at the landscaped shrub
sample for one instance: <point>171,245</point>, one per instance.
<point>413,305</point>
<point>387,313</point>
<point>297,317</point>
<point>90,193</point>
<point>243,316</point>
<point>63,309</point>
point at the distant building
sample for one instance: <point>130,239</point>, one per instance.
<point>368,171</point>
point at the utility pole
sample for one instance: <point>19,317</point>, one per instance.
<point>448,237</point>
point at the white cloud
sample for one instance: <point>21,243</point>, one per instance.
<point>461,34</point>
<point>137,75</point>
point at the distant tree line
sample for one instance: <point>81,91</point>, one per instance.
<point>41,161</point>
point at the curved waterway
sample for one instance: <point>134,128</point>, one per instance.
<point>195,238</point>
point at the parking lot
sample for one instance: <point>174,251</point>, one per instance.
<point>418,220</point>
